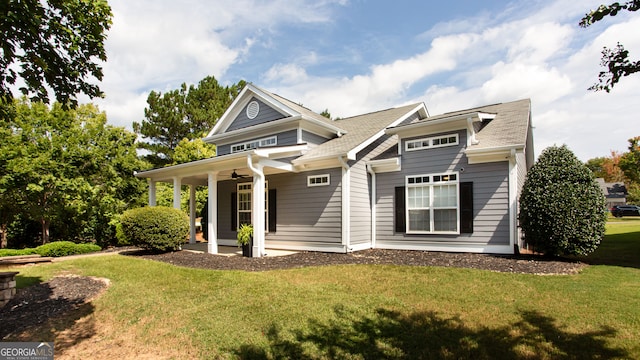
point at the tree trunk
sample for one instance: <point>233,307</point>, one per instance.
<point>45,231</point>
<point>3,236</point>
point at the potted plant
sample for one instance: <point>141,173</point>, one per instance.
<point>245,239</point>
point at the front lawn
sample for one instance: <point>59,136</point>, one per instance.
<point>154,309</point>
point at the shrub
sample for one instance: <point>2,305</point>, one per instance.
<point>65,248</point>
<point>155,228</point>
<point>16,252</point>
<point>562,209</point>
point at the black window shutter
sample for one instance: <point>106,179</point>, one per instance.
<point>273,220</point>
<point>234,211</point>
<point>466,207</point>
<point>400,221</point>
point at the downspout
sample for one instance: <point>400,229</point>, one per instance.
<point>373,206</point>
<point>346,205</point>
<point>258,198</point>
<point>513,211</point>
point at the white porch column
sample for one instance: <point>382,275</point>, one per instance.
<point>212,213</point>
<point>258,208</point>
<point>192,214</point>
<point>177,185</point>
<point>152,193</point>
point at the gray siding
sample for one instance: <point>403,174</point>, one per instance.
<point>490,192</point>
<point>360,199</point>
<point>265,114</point>
<point>410,119</point>
<point>313,139</point>
<point>306,216</point>
<point>284,138</point>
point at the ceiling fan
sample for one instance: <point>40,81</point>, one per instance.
<point>236,176</point>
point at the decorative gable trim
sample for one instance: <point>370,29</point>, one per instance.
<point>241,102</point>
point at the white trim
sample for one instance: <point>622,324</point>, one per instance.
<point>346,202</point>
<point>305,246</point>
<point>319,177</point>
<point>431,183</point>
<point>192,214</point>
<point>372,204</point>
<point>246,146</point>
<point>241,101</point>
<point>430,142</point>
<point>468,248</point>
<point>385,165</point>
<point>212,212</point>
<point>433,122</point>
<point>253,109</point>
<point>513,199</point>
<point>177,191</point>
<point>421,108</point>
<point>493,154</point>
<point>152,192</point>
<point>360,247</point>
<point>258,207</point>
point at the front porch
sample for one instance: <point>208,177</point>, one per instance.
<point>253,166</point>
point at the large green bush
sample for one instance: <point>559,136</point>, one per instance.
<point>562,208</point>
<point>156,228</point>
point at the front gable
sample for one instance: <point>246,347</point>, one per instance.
<point>255,112</point>
<point>258,118</point>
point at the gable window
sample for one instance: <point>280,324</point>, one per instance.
<point>318,180</point>
<point>254,144</point>
<point>432,142</point>
<point>432,204</point>
<point>253,109</point>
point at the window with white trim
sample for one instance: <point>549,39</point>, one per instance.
<point>432,204</point>
<point>270,141</point>
<point>318,180</point>
<point>432,142</point>
<point>245,196</point>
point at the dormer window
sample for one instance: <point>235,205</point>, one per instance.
<point>254,144</point>
<point>432,142</point>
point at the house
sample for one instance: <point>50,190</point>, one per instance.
<point>396,178</point>
<point>615,193</point>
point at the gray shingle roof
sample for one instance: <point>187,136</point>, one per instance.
<point>359,129</point>
<point>509,127</point>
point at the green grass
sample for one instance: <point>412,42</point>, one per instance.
<point>156,309</point>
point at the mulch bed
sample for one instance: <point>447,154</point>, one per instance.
<point>36,304</point>
<point>526,264</point>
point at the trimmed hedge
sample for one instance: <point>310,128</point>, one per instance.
<point>54,249</point>
<point>562,209</point>
<point>155,228</point>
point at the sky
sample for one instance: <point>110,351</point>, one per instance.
<point>356,56</point>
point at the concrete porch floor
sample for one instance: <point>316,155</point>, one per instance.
<point>232,250</point>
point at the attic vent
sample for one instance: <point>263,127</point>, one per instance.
<point>252,109</point>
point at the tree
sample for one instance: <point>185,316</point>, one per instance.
<point>562,209</point>
<point>55,43</point>
<point>630,161</point>
<point>185,113</point>
<point>68,170</point>
<point>615,61</point>
<point>193,150</point>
